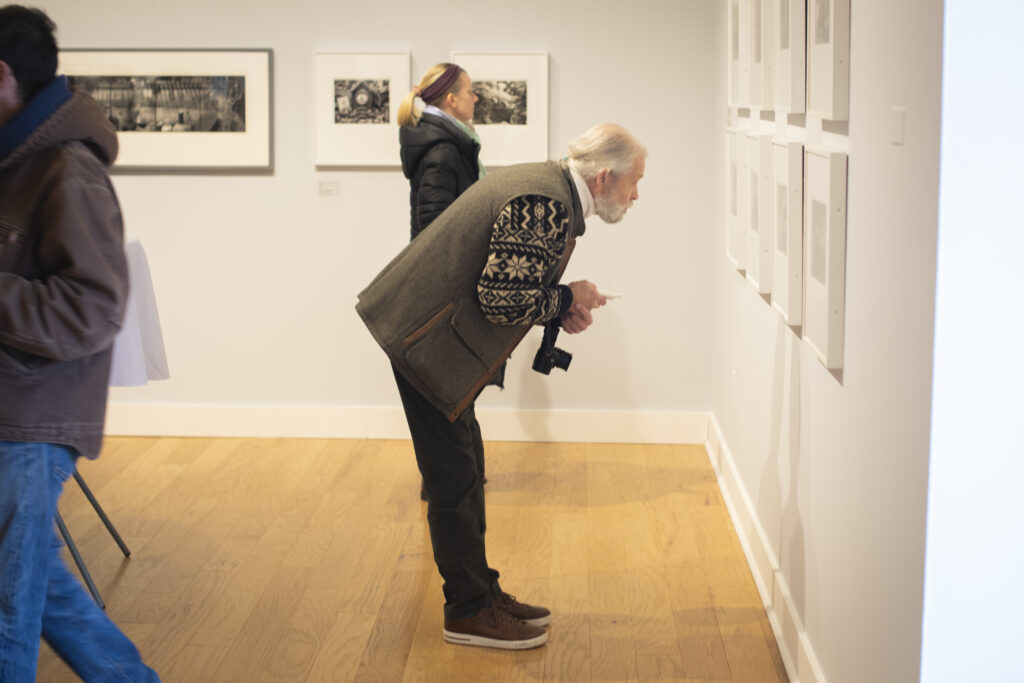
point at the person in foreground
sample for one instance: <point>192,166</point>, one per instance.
<point>448,311</point>
<point>63,288</point>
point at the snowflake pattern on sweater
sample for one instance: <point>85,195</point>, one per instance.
<point>527,241</point>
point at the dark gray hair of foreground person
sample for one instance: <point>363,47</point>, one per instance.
<point>63,287</point>
<point>448,311</point>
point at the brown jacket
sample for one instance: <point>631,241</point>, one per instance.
<point>63,279</point>
<point>424,308</point>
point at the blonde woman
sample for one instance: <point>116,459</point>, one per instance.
<point>440,149</point>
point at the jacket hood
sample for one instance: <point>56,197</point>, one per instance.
<point>79,119</point>
<point>431,130</point>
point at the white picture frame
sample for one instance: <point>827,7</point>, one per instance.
<point>736,170</point>
<point>355,107</point>
<point>828,59</point>
<point>182,110</point>
<point>512,114</point>
<point>791,56</point>
<point>739,50</point>
<point>788,226</point>
<point>762,54</point>
<point>824,273</point>
<point>759,223</point>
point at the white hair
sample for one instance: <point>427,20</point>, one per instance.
<point>605,145</point>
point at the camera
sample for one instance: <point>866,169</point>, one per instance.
<point>548,355</point>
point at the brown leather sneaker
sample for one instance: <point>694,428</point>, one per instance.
<point>494,627</point>
<point>535,616</point>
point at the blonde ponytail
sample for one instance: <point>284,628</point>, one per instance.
<point>407,113</point>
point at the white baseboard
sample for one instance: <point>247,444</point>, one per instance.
<point>335,422</point>
<point>794,645</point>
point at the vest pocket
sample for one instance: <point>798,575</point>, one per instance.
<point>443,360</point>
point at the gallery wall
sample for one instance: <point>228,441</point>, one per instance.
<point>827,470</point>
<point>256,275</point>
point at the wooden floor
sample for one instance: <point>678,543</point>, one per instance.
<point>309,560</point>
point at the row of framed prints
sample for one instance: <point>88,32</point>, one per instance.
<point>787,232</point>
<point>511,114</point>
<point>186,110</point>
<point>790,56</point>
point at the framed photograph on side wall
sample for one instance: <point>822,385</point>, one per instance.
<point>356,98</point>
<point>511,114</point>
<point>762,54</point>
<point>787,224</point>
<point>739,50</point>
<point>181,109</point>
<point>736,235</point>
<point>825,254</point>
<point>790,60</point>
<point>759,225</point>
<point>828,59</point>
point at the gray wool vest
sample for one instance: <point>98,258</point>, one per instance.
<point>423,309</point>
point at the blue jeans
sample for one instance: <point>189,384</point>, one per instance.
<point>38,595</point>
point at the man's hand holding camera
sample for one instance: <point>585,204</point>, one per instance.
<point>585,298</point>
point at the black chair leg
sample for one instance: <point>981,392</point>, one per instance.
<point>78,561</point>
<point>103,516</point>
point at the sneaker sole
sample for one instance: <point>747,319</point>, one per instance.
<point>539,621</point>
<point>482,641</point>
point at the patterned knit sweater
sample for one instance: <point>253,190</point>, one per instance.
<point>528,239</point>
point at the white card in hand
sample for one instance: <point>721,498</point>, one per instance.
<point>609,295</point>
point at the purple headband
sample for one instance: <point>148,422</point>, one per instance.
<point>442,83</point>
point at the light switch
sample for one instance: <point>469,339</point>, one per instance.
<point>898,125</point>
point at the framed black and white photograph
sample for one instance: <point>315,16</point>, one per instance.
<point>790,61</point>
<point>787,224</point>
<point>759,224</point>
<point>736,235</point>
<point>356,107</point>
<point>824,273</point>
<point>181,109</point>
<point>828,59</point>
<point>511,114</point>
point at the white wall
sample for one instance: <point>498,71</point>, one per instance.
<point>973,591</point>
<point>830,469</point>
<point>256,276</point>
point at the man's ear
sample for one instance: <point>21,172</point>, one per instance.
<point>8,83</point>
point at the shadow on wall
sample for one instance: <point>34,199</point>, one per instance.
<point>611,379</point>
<point>781,476</point>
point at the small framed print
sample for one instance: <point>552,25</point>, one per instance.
<point>182,110</point>
<point>762,54</point>
<point>739,53</point>
<point>356,98</point>
<point>787,224</point>
<point>824,272</point>
<point>759,224</point>
<point>736,235</point>
<point>511,114</point>
<point>828,59</point>
<point>791,43</point>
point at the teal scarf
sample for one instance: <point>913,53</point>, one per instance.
<point>476,138</point>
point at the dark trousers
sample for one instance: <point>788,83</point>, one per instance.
<point>450,456</point>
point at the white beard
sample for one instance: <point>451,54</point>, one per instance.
<point>609,210</point>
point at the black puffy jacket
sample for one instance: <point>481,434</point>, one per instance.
<point>440,161</point>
